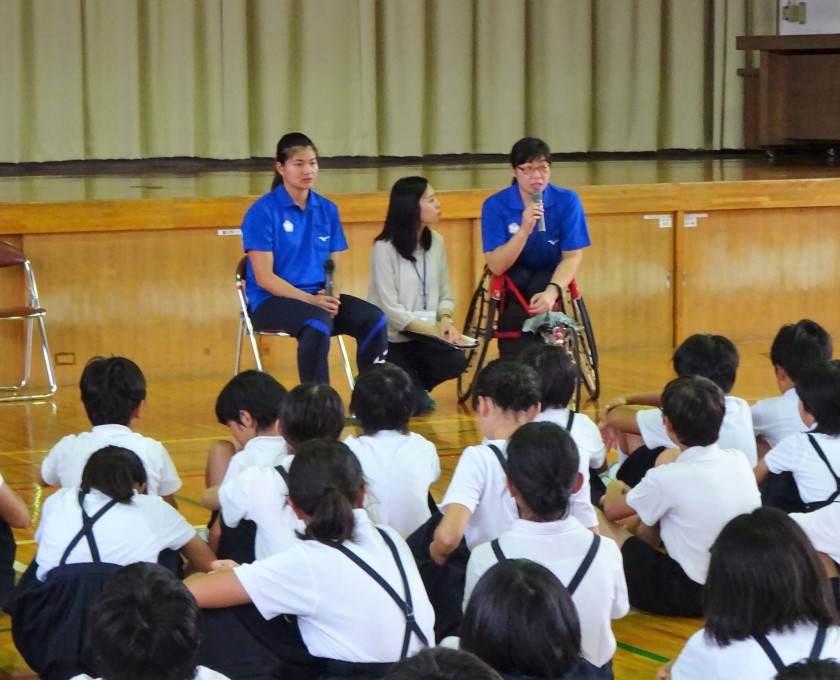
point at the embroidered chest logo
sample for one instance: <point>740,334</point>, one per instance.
<point>554,242</point>
<point>513,227</point>
<point>288,227</point>
<point>324,238</point>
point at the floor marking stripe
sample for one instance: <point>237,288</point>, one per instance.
<point>642,652</point>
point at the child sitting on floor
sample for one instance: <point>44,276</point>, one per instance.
<point>399,465</point>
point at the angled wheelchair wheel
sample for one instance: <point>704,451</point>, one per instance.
<point>480,324</point>
<point>588,363</point>
<point>573,343</point>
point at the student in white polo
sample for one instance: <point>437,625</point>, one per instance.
<point>543,474</point>
<point>399,465</point>
<point>813,457</point>
<point>558,377</point>
<point>259,494</point>
<point>478,506</point>
<point>330,579</point>
<point>682,505</point>
<point>795,346</point>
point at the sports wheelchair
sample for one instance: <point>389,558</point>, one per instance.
<point>572,330</point>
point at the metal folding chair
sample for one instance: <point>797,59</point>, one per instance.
<point>29,314</point>
<point>246,328</point>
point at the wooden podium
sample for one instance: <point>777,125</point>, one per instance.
<point>793,98</point>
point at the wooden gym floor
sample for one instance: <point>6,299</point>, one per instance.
<point>180,414</point>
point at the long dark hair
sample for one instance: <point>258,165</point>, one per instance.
<point>521,620</point>
<point>114,471</point>
<point>403,219</point>
<point>325,480</point>
<point>764,577</point>
<point>289,141</point>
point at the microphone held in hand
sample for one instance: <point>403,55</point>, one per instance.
<point>329,270</point>
<point>537,197</point>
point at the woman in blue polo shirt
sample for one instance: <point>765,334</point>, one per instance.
<point>289,234</point>
<point>540,263</point>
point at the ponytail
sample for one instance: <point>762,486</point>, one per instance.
<point>326,482</point>
<point>114,471</point>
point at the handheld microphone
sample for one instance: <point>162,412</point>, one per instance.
<point>329,270</point>
<point>537,197</point>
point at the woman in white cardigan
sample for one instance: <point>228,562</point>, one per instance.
<point>409,282</point>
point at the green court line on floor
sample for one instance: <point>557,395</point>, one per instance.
<point>5,630</point>
<point>642,652</point>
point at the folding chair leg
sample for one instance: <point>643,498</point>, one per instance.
<point>45,350</point>
<point>347,370</point>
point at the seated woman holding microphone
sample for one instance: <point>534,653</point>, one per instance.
<point>293,236</point>
<point>409,281</point>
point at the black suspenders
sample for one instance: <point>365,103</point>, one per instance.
<point>816,648</point>
<point>495,449</point>
<point>581,570</point>
<point>411,625</point>
<point>87,530</point>
<point>284,473</point>
<point>820,504</point>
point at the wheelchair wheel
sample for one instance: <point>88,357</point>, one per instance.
<point>588,364</point>
<point>573,342</point>
<point>480,324</point>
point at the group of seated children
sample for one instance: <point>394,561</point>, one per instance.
<point>308,572</point>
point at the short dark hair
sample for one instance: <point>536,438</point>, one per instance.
<point>521,620</point>
<point>112,390</point>
<point>403,218</point>
<point>145,625</point>
<point>383,398</point>
<point>798,344</point>
<point>529,149</point>
<point>113,471</point>
<point>309,411</point>
<point>695,406</point>
<point>509,383</point>
<point>441,663</point>
<point>287,143</point>
<point>325,480</point>
<point>811,669</point>
<point>818,387</point>
<point>711,356</point>
<point>556,371</point>
<point>256,392</point>
<point>764,577</point>
<point>543,463</point>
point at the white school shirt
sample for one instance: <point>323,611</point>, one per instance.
<point>127,533</point>
<point>260,494</point>
<point>561,547</point>
<point>478,484</point>
<point>590,445</point>
<point>398,469</point>
<point>745,659</point>
<point>586,434</point>
<point>342,612</point>
<point>822,527</point>
<point>795,454</point>
<point>67,459</point>
<point>736,430</point>
<point>201,673</point>
<point>261,451</point>
<point>692,499</point>
<point>777,417</point>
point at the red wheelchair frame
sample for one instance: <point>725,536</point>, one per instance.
<point>486,305</point>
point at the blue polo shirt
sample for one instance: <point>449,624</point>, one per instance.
<point>565,226</point>
<point>301,240</point>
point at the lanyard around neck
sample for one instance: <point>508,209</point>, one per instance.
<point>422,280</point>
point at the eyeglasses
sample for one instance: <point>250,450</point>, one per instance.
<point>529,170</point>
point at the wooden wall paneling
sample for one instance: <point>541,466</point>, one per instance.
<point>165,299</point>
<point>750,271</point>
<point>626,280</point>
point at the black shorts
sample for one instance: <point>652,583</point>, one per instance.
<point>656,583</point>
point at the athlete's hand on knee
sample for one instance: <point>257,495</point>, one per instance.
<point>542,302</point>
<point>327,302</point>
